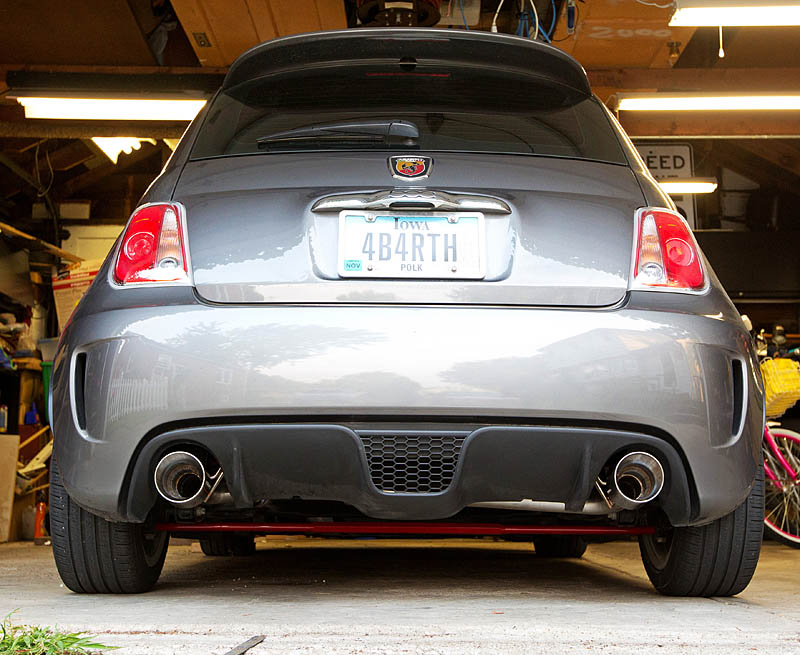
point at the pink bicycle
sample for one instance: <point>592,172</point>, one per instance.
<point>781,449</point>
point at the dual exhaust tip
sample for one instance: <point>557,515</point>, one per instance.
<point>637,479</point>
<point>181,479</point>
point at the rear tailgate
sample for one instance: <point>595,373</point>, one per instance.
<point>254,238</point>
<point>500,116</point>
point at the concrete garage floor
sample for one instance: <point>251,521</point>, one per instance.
<point>392,597</point>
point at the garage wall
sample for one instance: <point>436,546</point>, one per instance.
<point>91,241</point>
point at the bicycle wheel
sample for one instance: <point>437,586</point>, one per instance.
<point>782,494</point>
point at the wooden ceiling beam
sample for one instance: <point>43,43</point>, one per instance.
<point>113,70</point>
<point>733,155</point>
<point>692,80</point>
<point>62,159</point>
<point>779,153</point>
<point>30,240</point>
<point>697,80</point>
<point>58,129</point>
<point>11,145</point>
<point>609,80</point>
<point>94,175</point>
<point>714,125</point>
<point>624,79</point>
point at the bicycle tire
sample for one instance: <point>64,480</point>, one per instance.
<point>782,499</point>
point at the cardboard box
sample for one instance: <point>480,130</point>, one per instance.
<point>69,287</point>
<point>9,447</point>
<point>221,30</point>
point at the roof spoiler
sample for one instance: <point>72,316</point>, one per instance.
<point>407,47</point>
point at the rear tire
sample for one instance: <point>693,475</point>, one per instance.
<point>95,556</point>
<point>559,545</point>
<point>215,545</point>
<point>219,545</point>
<point>718,559</point>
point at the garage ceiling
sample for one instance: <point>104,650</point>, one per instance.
<point>114,32</point>
<point>83,28</point>
<point>624,45</point>
<point>623,34</point>
<point>220,30</point>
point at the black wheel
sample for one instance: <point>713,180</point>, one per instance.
<point>559,545</point>
<point>718,559</point>
<point>95,556</point>
<point>216,545</point>
<point>239,545</point>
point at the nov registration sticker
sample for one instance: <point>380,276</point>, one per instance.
<point>394,245</point>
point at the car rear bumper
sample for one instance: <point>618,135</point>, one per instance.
<point>329,462</point>
<point>251,379</point>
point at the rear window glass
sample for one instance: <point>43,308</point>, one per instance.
<point>453,111</point>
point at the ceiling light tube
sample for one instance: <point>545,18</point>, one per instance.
<point>713,13</point>
<point>135,109</point>
<point>680,187</point>
<point>688,102</point>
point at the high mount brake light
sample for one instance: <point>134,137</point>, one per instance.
<point>153,248</point>
<point>667,257</point>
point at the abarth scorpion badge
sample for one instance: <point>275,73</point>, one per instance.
<point>410,167</point>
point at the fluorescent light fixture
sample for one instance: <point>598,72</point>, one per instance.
<point>122,109</point>
<point>694,186</point>
<point>713,13</point>
<point>112,146</point>
<point>690,102</point>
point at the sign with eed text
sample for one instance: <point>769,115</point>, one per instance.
<point>672,161</point>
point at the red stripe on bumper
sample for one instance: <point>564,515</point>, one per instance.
<point>401,527</point>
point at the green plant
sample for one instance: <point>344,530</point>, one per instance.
<point>35,640</point>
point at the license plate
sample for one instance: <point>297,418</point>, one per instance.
<point>434,246</point>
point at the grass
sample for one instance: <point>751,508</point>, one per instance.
<point>34,640</point>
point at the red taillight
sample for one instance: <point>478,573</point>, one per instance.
<point>153,248</point>
<point>667,256</point>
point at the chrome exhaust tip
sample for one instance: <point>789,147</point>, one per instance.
<point>638,478</point>
<point>180,478</point>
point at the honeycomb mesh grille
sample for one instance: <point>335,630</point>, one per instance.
<point>412,463</point>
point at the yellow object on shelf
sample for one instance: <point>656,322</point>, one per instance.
<point>781,385</point>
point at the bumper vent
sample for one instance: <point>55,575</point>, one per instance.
<point>412,462</point>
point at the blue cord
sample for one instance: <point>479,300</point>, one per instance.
<point>522,26</point>
<point>525,20</point>
<point>553,22</point>
<point>463,16</point>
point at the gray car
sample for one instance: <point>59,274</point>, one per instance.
<point>406,282</point>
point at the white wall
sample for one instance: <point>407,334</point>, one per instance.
<point>91,241</point>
